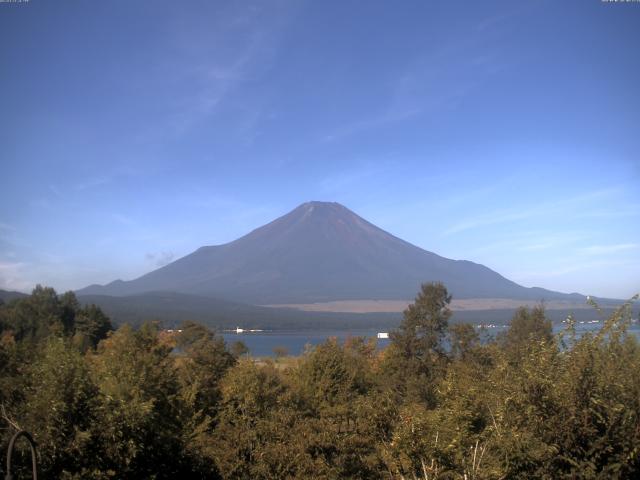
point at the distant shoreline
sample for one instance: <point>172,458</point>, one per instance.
<point>397,306</point>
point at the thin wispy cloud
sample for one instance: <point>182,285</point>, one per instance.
<point>110,177</point>
<point>213,83</point>
<point>621,211</point>
<point>55,191</point>
<point>12,276</point>
<point>341,181</point>
<point>534,247</point>
<point>552,240</point>
<point>371,122</point>
<point>10,266</point>
<point>199,197</point>
<point>505,19</point>
<point>160,259</point>
<point>42,203</point>
<point>574,267</point>
<point>532,242</point>
<point>93,183</point>
<point>123,219</point>
<point>494,218</point>
<point>465,196</point>
<point>581,202</point>
<point>609,249</point>
<point>222,59</point>
<point>436,80</point>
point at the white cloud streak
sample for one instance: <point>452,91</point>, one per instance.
<point>437,80</point>
<point>123,219</point>
<point>540,210</point>
<point>160,259</point>
<point>12,276</point>
<point>219,60</point>
<point>609,249</point>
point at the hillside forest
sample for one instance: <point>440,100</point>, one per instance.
<point>442,401</point>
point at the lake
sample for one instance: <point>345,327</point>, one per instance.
<point>261,344</point>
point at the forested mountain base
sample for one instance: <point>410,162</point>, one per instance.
<point>123,404</point>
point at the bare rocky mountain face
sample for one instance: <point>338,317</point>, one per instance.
<point>321,252</point>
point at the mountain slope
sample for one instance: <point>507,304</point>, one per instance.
<point>320,252</point>
<point>7,296</point>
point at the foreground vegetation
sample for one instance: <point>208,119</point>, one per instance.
<point>436,404</point>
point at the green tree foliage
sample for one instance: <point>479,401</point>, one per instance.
<point>35,317</point>
<point>329,378</point>
<point>44,384</point>
<point>90,325</point>
<point>464,340</point>
<point>239,348</point>
<point>60,408</point>
<point>140,416</point>
<point>528,327</point>
<point>14,366</point>
<point>200,369</point>
<point>312,420</point>
<point>332,386</point>
<point>45,313</point>
<point>425,323</point>
<point>416,358</point>
<point>205,362</point>
<point>438,403</point>
<point>251,395</point>
<point>69,307</point>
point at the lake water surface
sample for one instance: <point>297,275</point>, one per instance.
<point>262,344</point>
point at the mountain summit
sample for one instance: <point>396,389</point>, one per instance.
<point>319,252</point>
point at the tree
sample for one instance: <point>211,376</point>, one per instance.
<point>35,317</point>
<point>239,348</point>
<point>203,366</point>
<point>416,358</point>
<point>527,326</point>
<point>338,425</point>
<point>250,396</point>
<point>141,416</point>
<point>330,378</point>
<point>69,307</point>
<point>45,313</point>
<point>463,339</point>
<point>280,351</point>
<point>425,322</point>
<point>91,325</point>
<point>60,411</point>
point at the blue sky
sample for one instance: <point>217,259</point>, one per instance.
<point>507,133</point>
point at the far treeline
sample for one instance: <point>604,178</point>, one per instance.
<point>437,403</point>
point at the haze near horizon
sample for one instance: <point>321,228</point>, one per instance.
<point>132,134</point>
